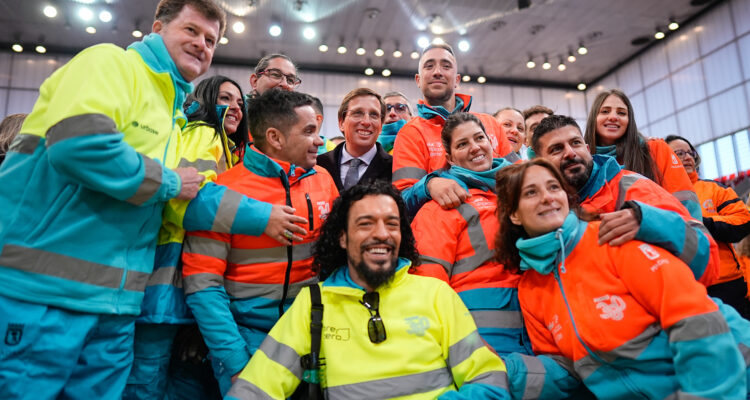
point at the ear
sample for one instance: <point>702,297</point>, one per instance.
<point>514,218</point>
<point>458,80</point>
<point>342,240</point>
<point>416,78</point>
<point>449,159</point>
<point>341,125</point>
<point>157,27</point>
<point>275,139</point>
<point>253,80</point>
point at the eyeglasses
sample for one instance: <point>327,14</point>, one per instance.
<point>400,107</point>
<point>375,327</point>
<point>359,115</point>
<point>276,76</point>
<point>683,153</point>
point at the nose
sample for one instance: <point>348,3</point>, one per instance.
<point>568,152</point>
<point>392,113</point>
<point>380,232</point>
<point>318,141</point>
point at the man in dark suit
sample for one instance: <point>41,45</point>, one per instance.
<point>360,158</point>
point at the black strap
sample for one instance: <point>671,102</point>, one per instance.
<point>316,319</point>
<point>310,386</point>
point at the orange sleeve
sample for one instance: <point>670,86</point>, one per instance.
<point>411,158</point>
<point>205,252</point>
<point>436,233</point>
<point>674,177</point>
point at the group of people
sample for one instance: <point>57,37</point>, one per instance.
<point>165,240</point>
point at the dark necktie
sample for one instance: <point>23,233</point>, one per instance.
<point>352,175</point>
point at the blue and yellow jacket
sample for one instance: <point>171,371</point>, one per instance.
<point>432,348</point>
<point>237,283</point>
<point>629,322</point>
<point>85,183</point>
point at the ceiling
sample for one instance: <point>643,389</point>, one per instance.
<point>502,37</point>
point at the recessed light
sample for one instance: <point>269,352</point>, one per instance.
<point>40,49</point>
<point>360,51</point>
<point>581,86</point>
<point>85,13</point>
<point>397,54</point>
<point>481,79</point>
<point>309,33</point>
<point>466,78</point>
<point>17,48</point>
<point>50,11</point>
<point>341,49</point>
<point>91,30</point>
<point>423,42</point>
<point>414,55</point>
<point>274,30</point>
<point>223,40</point>
<point>238,27</point>
<point>323,48</point>
<point>137,33</point>
<point>386,72</point>
<point>464,45</point>
<point>105,16</point>
<point>379,52</point>
<point>369,71</point>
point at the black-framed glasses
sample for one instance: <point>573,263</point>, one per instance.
<point>400,107</point>
<point>276,75</point>
<point>683,153</point>
<point>375,327</point>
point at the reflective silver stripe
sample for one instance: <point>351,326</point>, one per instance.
<point>25,143</point>
<point>272,291</point>
<point>686,195</point>
<point>70,268</point>
<point>745,353</point>
<point>625,183</point>
<point>564,362</point>
<point>282,354</point>
<point>586,366</point>
<point>463,349</point>
<point>633,347</point>
<point>482,252</point>
<point>199,164</point>
<point>512,157</point>
<point>301,251</point>
<point>393,387</point>
<point>535,374</point>
<point>434,260</point>
<point>165,276</point>
<point>408,173</point>
<point>243,389</point>
<point>80,125</point>
<point>497,319</point>
<point>150,184</point>
<point>494,378</point>
<point>698,327</point>
<point>680,395</point>
<point>206,247</point>
<point>226,212</point>
<point>196,282</point>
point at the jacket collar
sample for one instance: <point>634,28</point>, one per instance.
<point>463,104</point>
<point>482,180</point>
<point>605,168</point>
<point>342,279</point>
<point>263,165</point>
<point>544,252</point>
<point>693,176</point>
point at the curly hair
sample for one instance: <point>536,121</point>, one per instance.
<point>328,256</point>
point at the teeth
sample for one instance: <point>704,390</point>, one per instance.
<point>378,250</point>
<point>478,158</point>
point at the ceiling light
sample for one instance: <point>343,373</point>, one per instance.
<point>530,64</point>
<point>423,42</point>
<point>85,13</point>
<point>323,48</point>
<point>274,30</point>
<point>673,25</point>
<point>464,45</point>
<point>466,78</point>
<point>40,49</point>
<point>481,79</point>
<point>659,34</point>
<point>438,40</point>
<point>91,30</point>
<point>546,64</point>
<point>462,31</point>
<point>397,53</point>
<point>105,16</point>
<point>223,40</point>
<point>581,86</point>
<point>238,27</point>
<point>50,11</point>
<point>369,71</point>
<point>17,47</point>
<point>561,67</point>
<point>582,49</point>
<point>379,52</point>
<point>360,51</point>
<point>386,72</point>
<point>571,57</point>
<point>341,49</point>
<point>414,55</point>
<point>309,33</point>
<point>137,33</point>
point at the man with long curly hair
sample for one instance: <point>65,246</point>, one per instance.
<point>386,333</point>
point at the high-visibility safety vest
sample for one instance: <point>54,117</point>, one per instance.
<point>236,279</point>
<point>628,322</point>
<point>432,347</point>
<point>665,222</point>
<point>84,183</point>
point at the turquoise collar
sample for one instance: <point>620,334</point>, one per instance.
<point>605,168</point>
<point>543,253</point>
<point>607,150</point>
<point>388,134</point>
<point>482,180</point>
<point>427,112</point>
<point>342,277</point>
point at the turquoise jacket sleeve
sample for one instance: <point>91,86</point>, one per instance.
<point>417,195</point>
<point>220,209</point>
<point>540,377</point>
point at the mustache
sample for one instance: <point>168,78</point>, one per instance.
<point>376,242</point>
<point>573,161</point>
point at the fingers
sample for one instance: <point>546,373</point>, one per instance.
<point>618,227</point>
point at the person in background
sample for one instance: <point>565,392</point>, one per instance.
<point>238,285</point>
<point>9,128</point>
<point>531,117</point>
<point>327,144</point>
<point>84,187</point>
<point>337,140</point>
<point>611,130</point>
<point>387,333</point>
<point>728,221</point>
<point>457,245</point>
<point>398,113</point>
<point>630,206</point>
<point>626,321</point>
<point>273,71</point>
<point>512,124</point>
<point>360,157</point>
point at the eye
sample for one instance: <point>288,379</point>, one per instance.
<point>460,145</point>
<point>374,116</point>
<point>529,192</point>
<point>554,187</point>
<point>577,142</point>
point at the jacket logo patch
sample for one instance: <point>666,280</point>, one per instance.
<point>332,333</point>
<point>417,325</point>
<point>324,209</point>
<point>555,328</point>
<point>612,307</point>
<point>144,127</point>
<point>648,251</point>
<point>708,205</point>
<point>13,334</point>
<point>675,161</point>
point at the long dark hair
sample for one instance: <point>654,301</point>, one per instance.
<point>509,181</point>
<point>632,148</point>
<point>206,94</point>
<point>328,255</point>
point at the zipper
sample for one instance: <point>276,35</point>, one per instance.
<point>309,211</point>
<point>289,255</point>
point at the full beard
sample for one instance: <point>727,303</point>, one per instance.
<point>375,278</point>
<point>578,179</point>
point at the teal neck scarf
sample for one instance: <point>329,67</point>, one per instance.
<point>542,253</point>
